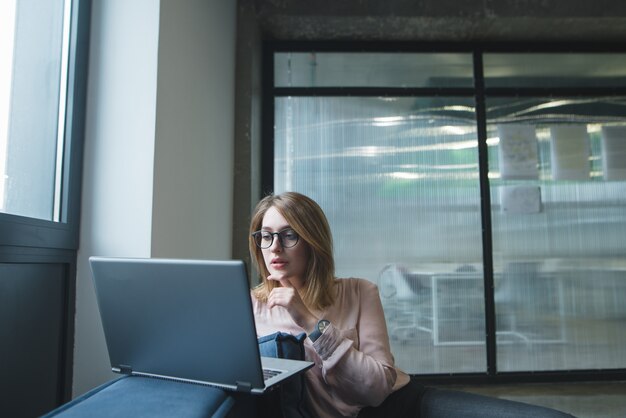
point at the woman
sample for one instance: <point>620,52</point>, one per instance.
<point>354,372</point>
<point>291,246</point>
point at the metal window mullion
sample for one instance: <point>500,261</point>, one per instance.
<point>485,207</point>
<point>268,122</point>
<point>372,91</point>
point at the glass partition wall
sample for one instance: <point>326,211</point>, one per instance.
<point>484,193</point>
<point>558,191</point>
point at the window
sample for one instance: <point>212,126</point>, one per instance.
<point>43,73</point>
<point>558,197</point>
<point>33,88</point>
<point>445,174</point>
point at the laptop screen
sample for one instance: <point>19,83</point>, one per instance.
<point>189,319</point>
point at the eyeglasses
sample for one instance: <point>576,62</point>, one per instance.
<point>287,238</point>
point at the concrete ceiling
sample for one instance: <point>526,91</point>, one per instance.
<point>442,20</point>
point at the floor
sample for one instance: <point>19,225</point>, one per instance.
<point>583,400</point>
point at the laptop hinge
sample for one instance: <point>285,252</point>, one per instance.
<point>243,387</point>
<point>124,369</point>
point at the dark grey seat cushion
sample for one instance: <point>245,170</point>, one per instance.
<point>135,396</point>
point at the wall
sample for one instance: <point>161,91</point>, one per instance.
<point>192,206</point>
<point>118,156</point>
<point>247,158</point>
<point>144,178</point>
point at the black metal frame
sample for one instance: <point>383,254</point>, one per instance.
<point>479,92</point>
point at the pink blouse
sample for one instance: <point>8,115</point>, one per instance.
<point>354,367</point>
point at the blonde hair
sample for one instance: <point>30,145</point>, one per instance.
<point>307,219</point>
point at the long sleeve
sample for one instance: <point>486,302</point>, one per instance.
<point>354,366</point>
<point>356,363</point>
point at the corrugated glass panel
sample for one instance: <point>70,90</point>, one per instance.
<point>557,170</point>
<point>398,180</point>
<point>383,69</point>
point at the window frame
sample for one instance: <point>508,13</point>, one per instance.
<point>28,241</point>
<point>22,231</point>
<point>480,92</point>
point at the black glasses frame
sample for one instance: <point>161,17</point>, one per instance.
<point>281,238</point>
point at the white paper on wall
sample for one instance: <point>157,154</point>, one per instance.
<point>518,152</point>
<point>569,145</point>
<point>520,199</point>
<point>614,152</point>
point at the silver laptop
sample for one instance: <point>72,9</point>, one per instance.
<point>187,320</point>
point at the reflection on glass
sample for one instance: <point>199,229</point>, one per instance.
<point>383,69</point>
<point>398,180</point>
<point>560,272</point>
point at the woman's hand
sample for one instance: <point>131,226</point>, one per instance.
<point>288,297</point>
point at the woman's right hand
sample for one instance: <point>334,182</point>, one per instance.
<point>288,297</point>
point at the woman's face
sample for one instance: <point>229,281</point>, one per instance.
<point>284,263</point>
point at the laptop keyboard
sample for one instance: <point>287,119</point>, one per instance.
<point>269,373</point>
